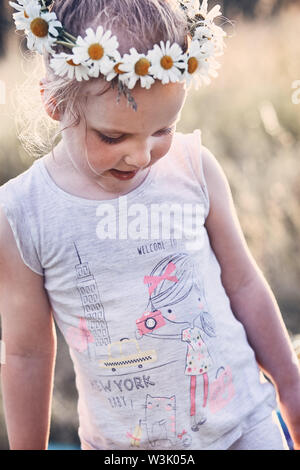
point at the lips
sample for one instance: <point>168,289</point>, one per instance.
<point>123,175</point>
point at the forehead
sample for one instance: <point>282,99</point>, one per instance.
<point>161,104</point>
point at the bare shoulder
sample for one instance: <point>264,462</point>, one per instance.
<point>213,173</point>
<point>24,301</point>
<point>220,198</point>
<point>225,233</point>
<point>10,258</point>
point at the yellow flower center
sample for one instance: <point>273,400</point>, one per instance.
<point>192,64</point>
<point>142,66</point>
<point>95,51</point>
<point>166,62</point>
<point>116,68</point>
<point>70,62</point>
<point>39,27</point>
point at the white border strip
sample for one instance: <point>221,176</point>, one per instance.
<point>2,352</point>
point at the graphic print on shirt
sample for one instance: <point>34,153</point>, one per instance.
<point>176,310</point>
<point>171,285</point>
<point>159,425</point>
<point>80,337</point>
<point>221,390</point>
<point>95,323</point>
<point>160,420</point>
<point>119,358</point>
<point>135,435</point>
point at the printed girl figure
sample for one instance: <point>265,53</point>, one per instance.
<point>198,362</point>
<point>174,285</point>
<point>115,86</point>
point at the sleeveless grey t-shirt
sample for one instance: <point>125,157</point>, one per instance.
<point>160,360</point>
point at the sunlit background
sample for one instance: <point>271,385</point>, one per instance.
<point>250,120</point>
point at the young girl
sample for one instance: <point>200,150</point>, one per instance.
<point>127,236</point>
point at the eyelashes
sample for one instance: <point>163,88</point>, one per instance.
<point>110,140</point>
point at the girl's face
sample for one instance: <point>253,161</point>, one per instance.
<point>115,137</point>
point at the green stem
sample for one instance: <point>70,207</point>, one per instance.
<point>44,8</point>
<point>70,36</point>
<point>66,44</point>
<point>62,37</point>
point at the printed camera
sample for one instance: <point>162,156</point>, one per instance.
<point>150,321</point>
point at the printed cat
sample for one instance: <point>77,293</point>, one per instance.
<point>160,419</point>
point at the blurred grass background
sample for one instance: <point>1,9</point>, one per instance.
<point>248,120</point>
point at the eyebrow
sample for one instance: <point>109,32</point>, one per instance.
<point>128,133</point>
<point>115,131</point>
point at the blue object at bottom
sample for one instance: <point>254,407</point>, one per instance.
<point>61,446</point>
<point>286,432</point>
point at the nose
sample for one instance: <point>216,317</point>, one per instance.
<point>139,157</point>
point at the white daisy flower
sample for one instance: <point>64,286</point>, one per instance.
<point>37,25</point>
<point>197,64</point>
<point>207,48</point>
<point>208,28</point>
<point>218,39</point>
<point>63,64</point>
<point>203,33</point>
<point>20,7</point>
<point>209,31</point>
<point>213,34</point>
<point>192,7</point>
<point>166,63</point>
<point>135,67</point>
<point>201,77</point>
<point>111,69</point>
<point>96,50</point>
<point>210,16</point>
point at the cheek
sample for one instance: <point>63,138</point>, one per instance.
<point>101,155</point>
<point>104,156</point>
<point>161,148</point>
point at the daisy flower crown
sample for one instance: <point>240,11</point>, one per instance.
<point>97,53</point>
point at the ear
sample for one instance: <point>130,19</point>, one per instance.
<point>50,106</point>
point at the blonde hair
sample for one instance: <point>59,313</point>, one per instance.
<point>141,23</point>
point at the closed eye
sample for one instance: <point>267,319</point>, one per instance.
<point>111,140</point>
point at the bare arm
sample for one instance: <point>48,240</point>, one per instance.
<point>251,299</point>
<point>29,336</point>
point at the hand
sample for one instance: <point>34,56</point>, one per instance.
<point>289,403</point>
